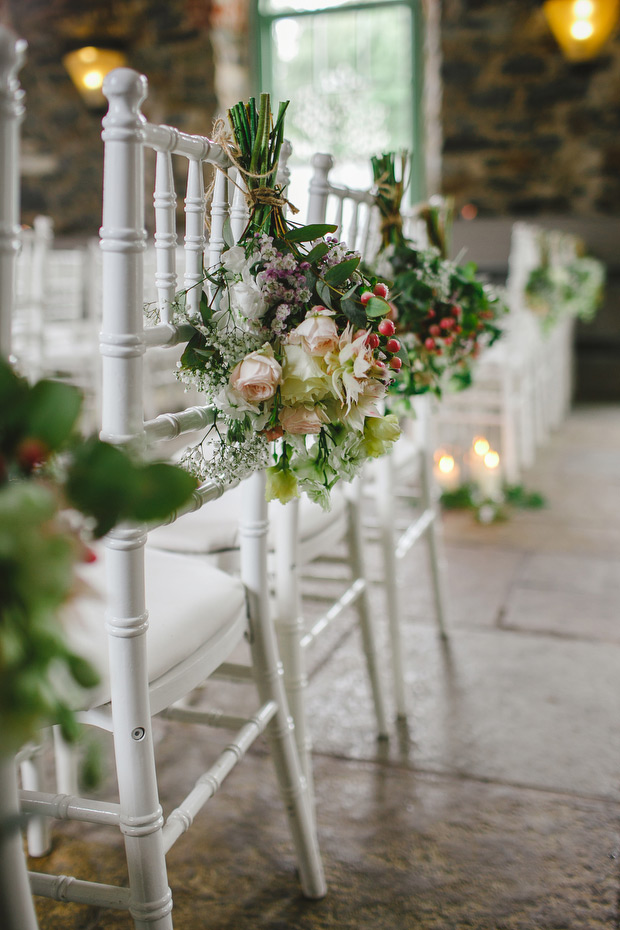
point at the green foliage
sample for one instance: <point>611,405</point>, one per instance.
<point>469,497</point>
<point>47,469</point>
<point>576,289</point>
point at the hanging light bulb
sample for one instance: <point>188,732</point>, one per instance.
<point>87,68</point>
<point>581,27</point>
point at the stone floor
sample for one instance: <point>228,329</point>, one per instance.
<point>497,806</point>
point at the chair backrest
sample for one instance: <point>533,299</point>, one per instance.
<point>12,51</point>
<point>125,339</point>
<point>353,211</point>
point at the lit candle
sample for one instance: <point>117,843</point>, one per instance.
<point>447,472</point>
<point>491,477</point>
<point>479,448</point>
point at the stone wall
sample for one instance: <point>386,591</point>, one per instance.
<point>169,40</point>
<point>524,131</point>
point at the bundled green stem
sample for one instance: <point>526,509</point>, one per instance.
<point>259,141</point>
<point>438,216</point>
<point>389,194</point>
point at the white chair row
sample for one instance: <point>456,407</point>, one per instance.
<point>522,386</point>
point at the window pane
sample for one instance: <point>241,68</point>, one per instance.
<point>348,75</point>
<point>299,6</point>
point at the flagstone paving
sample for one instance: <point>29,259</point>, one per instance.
<point>496,805</point>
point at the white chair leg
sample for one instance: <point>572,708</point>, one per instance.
<point>433,542</point>
<point>269,680</point>
<point>387,539</point>
<point>355,546</point>
<point>290,628</point>
<point>66,758</point>
<point>32,771</point>
<point>16,907</point>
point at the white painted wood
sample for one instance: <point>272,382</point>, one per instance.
<point>190,614</point>
<point>386,476</point>
<point>16,906</point>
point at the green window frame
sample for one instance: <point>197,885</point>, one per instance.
<point>266,13</point>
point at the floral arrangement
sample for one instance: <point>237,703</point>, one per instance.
<point>291,346</point>
<point>443,313</point>
<point>57,491</point>
<point>557,289</point>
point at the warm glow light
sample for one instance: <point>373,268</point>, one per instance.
<point>93,80</point>
<point>491,459</point>
<point>581,27</point>
<point>481,446</point>
<point>88,67</point>
<point>446,464</point>
<point>581,30</point>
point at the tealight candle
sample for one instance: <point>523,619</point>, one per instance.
<point>490,480</point>
<point>447,472</point>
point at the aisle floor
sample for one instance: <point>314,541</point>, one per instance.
<point>496,806</point>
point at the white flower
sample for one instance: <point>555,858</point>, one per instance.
<point>245,298</point>
<point>234,260</point>
<point>304,380</point>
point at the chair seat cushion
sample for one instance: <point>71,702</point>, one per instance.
<point>215,528</point>
<point>196,615</point>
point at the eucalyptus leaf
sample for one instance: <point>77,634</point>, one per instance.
<point>338,274</point>
<point>377,307</point>
<point>354,312</point>
<point>309,233</point>
<point>317,253</point>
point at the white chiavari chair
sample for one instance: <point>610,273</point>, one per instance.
<point>301,533</point>
<point>16,906</point>
<point>356,216</point>
<point>159,623</point>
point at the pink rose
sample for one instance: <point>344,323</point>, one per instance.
<point>318,334</point>
<point>256,377</point>
<point>301,420</point>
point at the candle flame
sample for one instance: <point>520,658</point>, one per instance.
<point>491,459</point>
<point>446,464</point>
<point>481,446</point>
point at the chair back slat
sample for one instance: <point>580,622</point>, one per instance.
<point>239,213</point>
<point>219,215</point>
<point>165,203</point>
<point>12,53</point>
<point>194,234</point>
<point>353,212</point>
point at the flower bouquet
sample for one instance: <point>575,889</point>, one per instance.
<point>289,346</point>
<point>557,289</point>
<point>442,312</point>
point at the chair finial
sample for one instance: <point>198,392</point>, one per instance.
<point>125,89</point>
<point>12,55</point>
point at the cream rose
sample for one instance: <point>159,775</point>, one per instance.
<point>256,377</point>
<point>303,378</point>
<point>317,333</point>
<point>302,420</point>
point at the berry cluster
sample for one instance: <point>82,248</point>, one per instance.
<point>441,328</point>
<point>384,337</point>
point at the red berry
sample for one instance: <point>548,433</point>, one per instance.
<point>381,290</point>
<point>434,330</point>
<point>366,297</point>
<point>396,363</point>
<point>446,323</point>
<point>457,329</point>
<point>392,345</point>
<point>380,365</point>
<point>31,452</point>
<point>448,340</point>
<point>393,314</point>
<point>90,555</point>
<point>431,314</point>
<point>372,341</point>
<point>456,310</point>
<point>386,328</point>
<point>429,344</point>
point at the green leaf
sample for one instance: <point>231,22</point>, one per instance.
<point>376,307</point>
<point>102,482</point>
<point>338,274</point>
<point>324,293</point>
<point>205,310</point>
<point>162,490</point>
<point>308,233</point>
<point>317,253</point>
<point>52,412</point>
<point>354,312</point>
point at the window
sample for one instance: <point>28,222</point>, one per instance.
<point>352,71</point>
